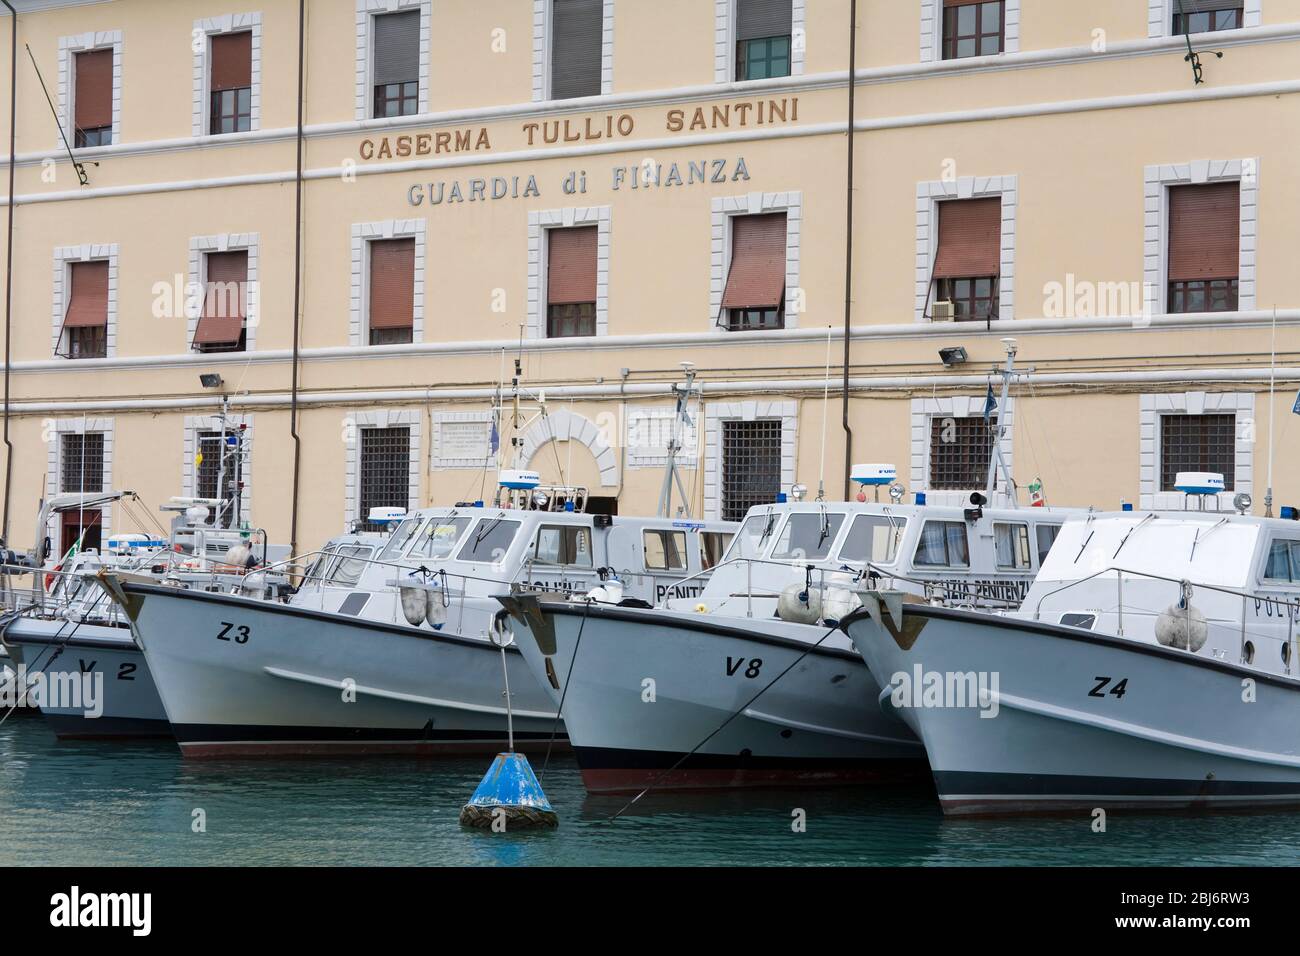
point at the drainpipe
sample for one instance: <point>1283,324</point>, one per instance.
<point>297,292</point>
<point>9,256</point>
<point>848,244</point>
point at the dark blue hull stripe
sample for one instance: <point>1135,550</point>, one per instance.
<point>972,785</point>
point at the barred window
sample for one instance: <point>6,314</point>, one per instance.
<point>384,476</point>
<point>212,445</point>
<point>959,451</point>
<point>1197,443</point>
<point>751,465</point>
<point>82,463</point>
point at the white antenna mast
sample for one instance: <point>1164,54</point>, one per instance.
<point>681,416</point>
<point>996,461</point>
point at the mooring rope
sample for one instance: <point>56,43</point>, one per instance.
<point>743,707</point>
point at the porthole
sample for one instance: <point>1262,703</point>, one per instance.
<point>1248,653</point>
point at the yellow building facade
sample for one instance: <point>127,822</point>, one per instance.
<point>1034,169</point>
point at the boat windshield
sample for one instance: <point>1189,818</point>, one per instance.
<point>490,540</point>
<point>440,538</point>
<point>752,536</point>
<point>399,539</point>
<point>874,539</point>
<point>808,535</point>
<point>351,561</point>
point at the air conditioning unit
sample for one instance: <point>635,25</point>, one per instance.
<point>942,312</point>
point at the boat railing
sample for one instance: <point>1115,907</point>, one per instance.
<point>1186,590</point>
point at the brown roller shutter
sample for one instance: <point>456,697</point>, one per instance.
<point>970,238</point>
<point>94,89</point>
<point>960,3</point>
<point>223,299</point>
<point>392,283</point>
<point>88,304</point>
<point>756,279</point>
<point>571,265</point>
<point>1204,231</point>
<point>758,19</point>
<point>232,61</point>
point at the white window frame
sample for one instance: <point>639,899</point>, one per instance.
<point>200,246</point>
<point>190,474</point>
<point>753,204</point>
<point>204,31</point>
<point>64,257</point>
<point>56,429</point>
<point>567,425</point>
<point>69,46</point>
<point>932,33</point>
<point>924,410</point>
<point>438,457</point>
<point>1152,406</point>
<point>367,10</point>
<point>1160,16</point>
<point>539,221</point>
<point>724,40</point>
<point>542,50</point>
<point>363,233</point>
<point>928,196</point>
<point>661,417</point>
<point>1158,180</point>
<point>379,418</point>
<point>715,413</point>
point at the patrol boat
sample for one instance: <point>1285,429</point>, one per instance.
<point>1153,664</point>
<point>402,652</point>
<point>751,683</point>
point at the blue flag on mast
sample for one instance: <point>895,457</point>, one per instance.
<point>990,403</point>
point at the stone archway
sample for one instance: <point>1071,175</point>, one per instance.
<point>565,425</point>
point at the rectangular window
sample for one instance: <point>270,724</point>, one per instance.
<point>392,291</point>
<point>81,463</point>
<point>1197,443</point>
<point>1011,544</point>
<point>943,544</point>
<point>219,473</point>
<point>807,535</point>
<point>664,550</point>
<point>93,98</point>
<point>973,29</point>
<point>713,545</point>
<point>85,323</point>
<point>1045,537</point>
<point>576,29</point>
<point>231,82</point>
<point>383,471</point>
<point>874,539</point>
<point>763,37</point>
<point>1204,247</point>
<point>1283,561</point>
<point>221,327</point>
<point>968,261</point>
<point>490,541</point>
<point>1206,16</point>
<point>754,296</point>
<point>563,544</point>
<point>396,69</point>
<point>751,465</point>
<point>571,281</point>
<point>959,452</point>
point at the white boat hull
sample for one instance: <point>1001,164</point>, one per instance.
<point>1085,721</point>
<point>649,699</point>
<point>243,677</point>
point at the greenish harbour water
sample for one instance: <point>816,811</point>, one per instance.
<point>85,804</point>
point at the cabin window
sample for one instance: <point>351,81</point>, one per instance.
<point>490,540</point>
<point>347,568</point>
<point>664,550</point>
<point>713,545</point>
<point>401,537</point>
<point>1046,537</point>
<point>563,544</point>
<point>1012,544</point>
<point>440,538</point>
<point>943,544</point>
<point>752,536</point>
<point>874,539</point>
<point>808,535</point>
<point>1283,561</point>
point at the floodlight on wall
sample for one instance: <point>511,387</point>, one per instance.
<point>954,355</point>
<point>210,380</point>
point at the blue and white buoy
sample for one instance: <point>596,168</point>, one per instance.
<point>508,796</point>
